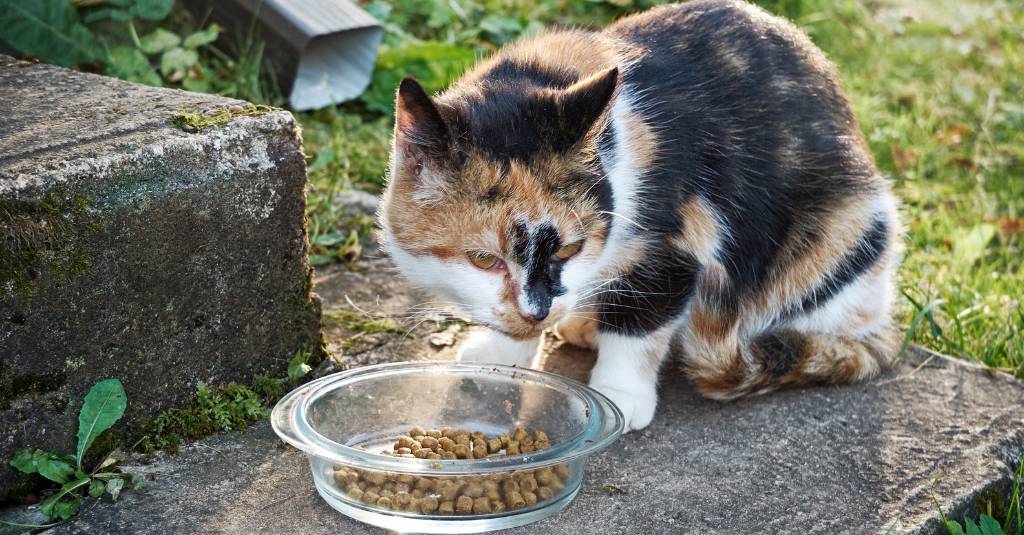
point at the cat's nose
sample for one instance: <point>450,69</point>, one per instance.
<point>538,316</point>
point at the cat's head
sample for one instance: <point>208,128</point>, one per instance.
<point>496,199</point>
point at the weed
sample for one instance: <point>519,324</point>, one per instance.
<point>104,405</point>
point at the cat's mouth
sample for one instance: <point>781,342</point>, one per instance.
<point>515,326</point>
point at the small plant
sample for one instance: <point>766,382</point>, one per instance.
<point>299,367</point>
<point>987,524</point>
<point>104,405</point>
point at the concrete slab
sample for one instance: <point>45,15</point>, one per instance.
<point>134,249</point>
<point>851,459</point>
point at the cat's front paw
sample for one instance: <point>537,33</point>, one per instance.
<point>495,348</point>
<point>580,331</point>
<point>637,402</point>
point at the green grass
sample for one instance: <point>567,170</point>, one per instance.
<point>936,86</point>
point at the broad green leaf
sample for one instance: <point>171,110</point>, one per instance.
<point>989,526</point>
<point>151,9</point>
<point>52,506</point>
<point>159,41</point>
<point>53,468</point>
<point>320,259</point>
<point>297,368</point>
<point>434,65</point>
<point>969,244</point>
<point>954,528</point>
<point>114,487</point>
<point>104,405</point>
<point>330,239</point>
<point>972,528</point>
<point>24,461</point>
<point>65,509</point>
<point>131,64</point>
<point>119,15</point>
<point>96,488</point>
<point>177,59</point>
<point>203,37</point>
<point>47,29</point>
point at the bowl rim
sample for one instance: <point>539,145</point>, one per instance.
<point>289,420</point>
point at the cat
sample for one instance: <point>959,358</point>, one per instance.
<point>689,181</point>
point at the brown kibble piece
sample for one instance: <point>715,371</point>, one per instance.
<point>401,451</point>
<point>542,444</point>
<point>421,453</point>
<point>526,448</point>
<point>344,476</point>
<point>402,487</point>
<point>562,471</point>
<point>497,506</point>
<point>385,493</point>
<point>428,505</point>
<point>545,493</point>
<point>448,456</point>
<point>540,436</point>
<point>493,495</point>
<point>449,490</point>
<point>429,443</point>
<point>362,485</point>
<point>384,502</point>
<point>408,479</point>
<point>474,490</point>
<point>464,505</point>
<point>519,433</point>
<point>494,445</point>
<point>512,448</point>
<point>376,478</point>
<point>417,431</point>
<point>504,438</point>
<point>530,498</point>
<point>413,506</point>
<point>447,432</point>
<point>401,499</point>
<point>481,505</point>
<point>462,439</point>
<point>446,444</point>
<point>461,451</point>
<point>355,494</point>
<point>417,493</point>
<point>370,497</point>
<point>544,476</point>
<point>447,508</point>
<point>527,482</point>
<point>434,433</point>
<point>479,452</point>
<point>425,484</point>
<point>510,486</point>
<point>404,442</point>
<point>434,456</point>
<point>407,455</point>
<point>514,500</point>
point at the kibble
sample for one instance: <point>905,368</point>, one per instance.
<point>464,505</point>
<point>482,494</point>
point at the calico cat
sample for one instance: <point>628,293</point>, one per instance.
<point>691,180</point>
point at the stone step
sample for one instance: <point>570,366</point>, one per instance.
<point>136,249</point>
<point>848,459</point>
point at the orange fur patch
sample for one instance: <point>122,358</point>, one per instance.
<point>700,235</point>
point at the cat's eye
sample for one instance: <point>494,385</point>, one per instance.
<point>568,251</point>
<point>482,259</point>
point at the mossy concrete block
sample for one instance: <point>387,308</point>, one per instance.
<point>132,248</point>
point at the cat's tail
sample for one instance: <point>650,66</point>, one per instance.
<point>788,357</point>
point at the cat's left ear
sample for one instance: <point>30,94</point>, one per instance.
<point>582,103</point>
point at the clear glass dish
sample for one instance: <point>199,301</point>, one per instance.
<point>343,422</point>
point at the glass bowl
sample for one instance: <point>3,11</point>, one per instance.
<point>344,421</point>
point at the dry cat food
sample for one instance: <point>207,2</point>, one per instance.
<point>457,495</point>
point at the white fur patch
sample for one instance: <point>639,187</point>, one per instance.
<point>492,347</point>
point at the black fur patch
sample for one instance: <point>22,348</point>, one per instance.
<point>778,351</point>
<point>543,271</point>
<point>651,295</point>
<point>867,252</point>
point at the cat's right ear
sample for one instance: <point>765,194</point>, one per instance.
<point>418,124</point>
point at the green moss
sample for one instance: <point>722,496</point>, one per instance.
<point>362,324</point>
<point>44,237</point>
<point>197,119</point>
<point>227,408</point>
